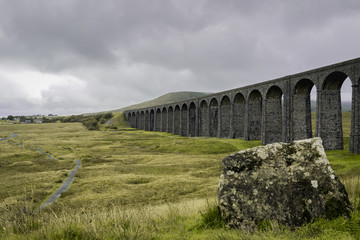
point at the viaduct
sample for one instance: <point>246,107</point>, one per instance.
<point>271,111</point>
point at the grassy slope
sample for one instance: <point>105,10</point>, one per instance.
<point>165,99</point>
<point>134,185</point>
<point>117,121</point>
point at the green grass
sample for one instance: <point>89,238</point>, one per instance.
<point>117,121</point>
<point>135,185</point>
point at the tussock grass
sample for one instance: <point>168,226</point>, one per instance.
<point>135,185</point>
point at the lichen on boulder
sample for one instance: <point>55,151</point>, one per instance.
<point>292,183</point>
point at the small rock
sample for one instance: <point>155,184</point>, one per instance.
<point>294,185</point>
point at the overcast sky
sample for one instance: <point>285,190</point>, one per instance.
<point>78,56</point>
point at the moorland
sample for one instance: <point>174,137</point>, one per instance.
<point>135,184</point>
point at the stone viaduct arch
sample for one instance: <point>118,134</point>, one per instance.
<point>152,120</point>
<point>177,120</point>
<point>330,113</point>
<point>133,119</point>
<point>184,120</point>
<point>164,121</point>
<point>239,116</point>
<point>170,120</point>
<point>255,105</point>
<point>204,118</point>
<point>157,120</point>
<point>271,111</point>
<point>214,117</point>
<point>302,126</point>
<point>225,117</point>
<point>142,120</point>
<point>193,120</point>
<point>129,120</point>
<point>273,115</point>
<point>137,119</point>
<point>147,121</point>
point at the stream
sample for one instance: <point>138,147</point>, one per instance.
<point>63,187</point>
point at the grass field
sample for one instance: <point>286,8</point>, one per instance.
<point>134,185</point>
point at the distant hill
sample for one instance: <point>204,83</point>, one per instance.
<point>345,106</point>
<point>164,99</point>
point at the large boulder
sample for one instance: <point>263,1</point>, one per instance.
<point>290,183</point>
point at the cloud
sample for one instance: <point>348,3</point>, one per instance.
<point>75,56</point>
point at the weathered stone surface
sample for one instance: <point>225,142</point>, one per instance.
<point>292,183</point>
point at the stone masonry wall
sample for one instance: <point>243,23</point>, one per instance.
<point>251,113</point>
<point>225,112</point>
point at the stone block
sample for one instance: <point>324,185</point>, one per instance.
<point>291,183</point>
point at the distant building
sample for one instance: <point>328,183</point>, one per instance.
<point>38,120</point>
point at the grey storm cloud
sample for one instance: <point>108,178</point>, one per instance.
<point>110,54</point>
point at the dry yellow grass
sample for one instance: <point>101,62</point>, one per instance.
<point>132,185</point>
<point>122,167</point>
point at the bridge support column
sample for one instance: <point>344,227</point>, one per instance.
<point>287,112</point>
<point>197,121</point>
<point>137,120</point>
<point>246,122</point>
<point>255,117</point>
<point>133,119</point>
<point>231,131</point>
<point>214,118</point>
<point>165,121</point>
<point>263,121</point>
<point>330,125</point>
<point>354,145</point>
<point>157,120</point>
<point>273,117</point>
<point>146,121</point>
<point>203,119</point>
<point>170,120</point>
<point>192,120</point>
<point>177,120</point>
<point>181,121</point>
<point>152,120</point>
<point>184,121</point>
<point>301,117</point>
<point>188,123</point>
<point>208,122</point>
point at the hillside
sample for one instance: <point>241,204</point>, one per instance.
<point>117,121</point>
<point>164,99</point>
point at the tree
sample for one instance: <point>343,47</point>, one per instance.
<point>91,124</point>
<point>22,118</point>
<point>10,117</point>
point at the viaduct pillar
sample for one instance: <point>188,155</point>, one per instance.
<point>354,145</point>
<point>330,128</point>
<point>287,111</point>
<point>197,121</point>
